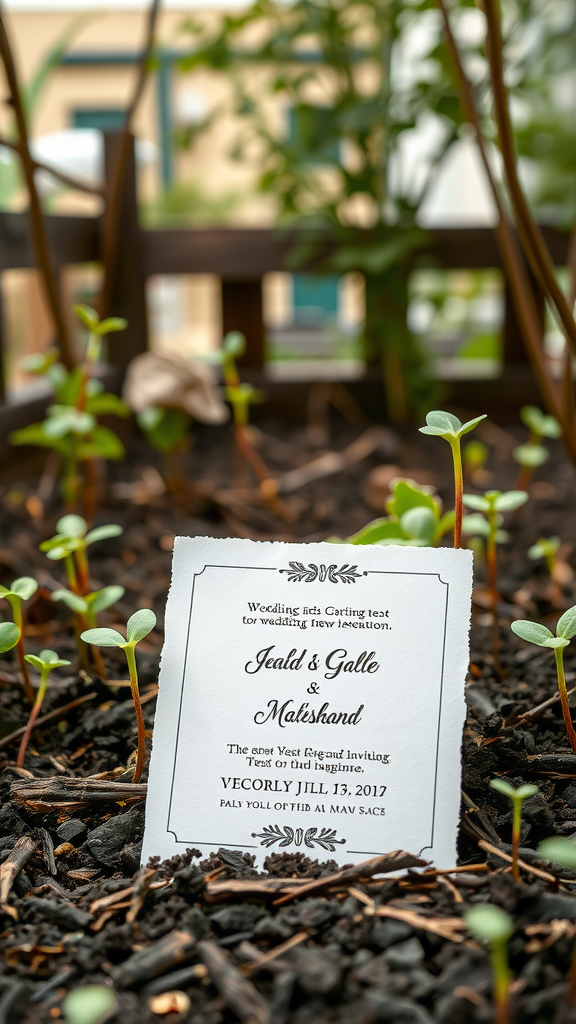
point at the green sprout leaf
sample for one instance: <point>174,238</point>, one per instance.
<point>522,793</point>
<point>140,624</point>
<point>539,423</point>
<point>110,325</point>
<point>444,424</point>
<point>71,526</point>
<point>566,625</point>
<point>46,659</point>
<point>72,601</point>
<point>545,547</point>
<point>9,636</point>
<point>24,587</point>
<point>88,316</point>
<point>532,455</point>
<point>533,632</point>
<point>476,501</point>
<point>489,923</point>
<point>234,344</point>
<point>105,598</point>
<point>510,500</point>
<point>559,850</point>
<point>406,495</point>
<point>103,533</point>
<point>420,524</point>
<point>103,637</point>
<point>89,1004</point>
<point>377,530</point>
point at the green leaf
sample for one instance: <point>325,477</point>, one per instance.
<point>89,1004</point>
<point>103,444</point>
<point>467,427</point>
<point>33,434</point>
<point>489,923</point>
<point>510,500</point>
<point>406,495</point>
<point>105,598</point>
<point>534,632</point>
<point>140,624</point>
<point>103,533</point>
<point>88,316</point>
<point>34,660</point>
<point>72,601</point>
<point>107,404</point>
<point>24,587</point>
<point>46,658</point>
<point>532,455</point>
<point>71,526</point>
<point>111,324</point>
<point>419,524</point>
<point>559,851</point>
<point>544,547</point>
<point>501,786</point>
<point>56,554</point>
<point>103,637</point>
<point>63,419</point>
<point>234,344</point>
<point>477,501</point>
<point>539,423</point>
<point>445,525</point>
<point>522,793</point>
<point>164,428</point>
<point>441,424</point>
<point>9,636</point>
<point>566,626</point>
<point>377,530</point>
<point>475,525</point>
<point>556,641</point>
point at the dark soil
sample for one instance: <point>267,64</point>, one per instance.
<point>350,964</point>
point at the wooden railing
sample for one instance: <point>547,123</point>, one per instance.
<point>241,257</point>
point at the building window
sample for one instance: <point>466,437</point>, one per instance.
<point>104,118</point>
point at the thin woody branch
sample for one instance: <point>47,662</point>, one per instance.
<point>536,251</point>
<point>66,179</point>
<point>38,224</point>
<point>114,190</point>
<point>511,256</point>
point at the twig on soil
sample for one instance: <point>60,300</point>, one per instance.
<point>272,954</point>
<point>447,927</point>
<point>14,862</point>
<point>52,716</point>
<point>172,949</point>
<point>238,992</point>
<point>250,888</point>
<point>57,792</point>
<point>544,875</point>
<point>396,861</point>
<point>535,713</point>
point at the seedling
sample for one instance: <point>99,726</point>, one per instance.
<point>71,426</point>
<point>90,1004</point>
<point>19,591</point>
<point>85,610</point>
<point>534,453</point>
<point>540,635</point>
<point>70,543</point>
<point>517,796</point>
<point>45,662</point>
<point>492,504</point>
<point>415,519</point>
<point>492,925</point>
<point>137,627</point>
<point>563,852</point>
<point>444,424</point>
<point>547,548</point>
<point>167,430</point>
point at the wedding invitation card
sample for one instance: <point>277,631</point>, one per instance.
<point>311,699</point>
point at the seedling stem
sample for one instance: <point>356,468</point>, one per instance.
<point>130,652</point>
<point>559,657</point>
<point>46,661</point>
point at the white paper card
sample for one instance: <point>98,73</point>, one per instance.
<point>311,699</point>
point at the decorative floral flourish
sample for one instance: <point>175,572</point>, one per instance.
<point>287,836</point>
<point>299,573</point>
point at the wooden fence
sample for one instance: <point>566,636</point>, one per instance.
<point>240,258</point>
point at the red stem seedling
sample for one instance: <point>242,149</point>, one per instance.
<point>44,662</point>
<point>547,548</point>
<point>444,424</point>
<point>535,633</point>
<point>137,627</point>
<point>85,610</point>
<point>533,453</point>
<point>21,590</point>
<point>492,925</point>
<point>492,504</point>
<point>517,796</point>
